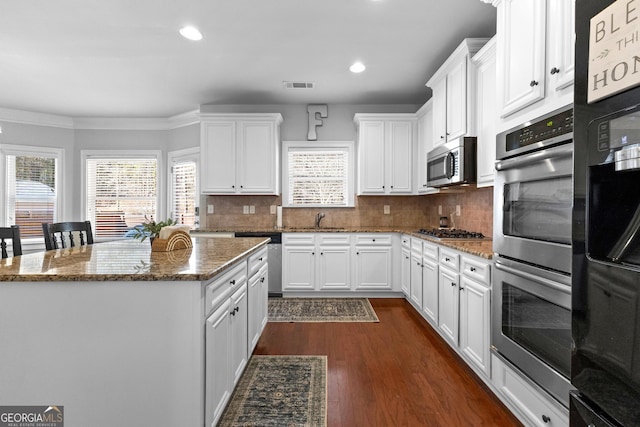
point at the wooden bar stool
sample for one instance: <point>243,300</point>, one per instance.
<point>12,233</point>
<point>56,234</point>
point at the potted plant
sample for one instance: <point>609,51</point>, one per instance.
<point>150,228</point>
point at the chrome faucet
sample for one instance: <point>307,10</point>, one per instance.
<point>319,217</point>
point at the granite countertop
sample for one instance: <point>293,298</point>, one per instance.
<point>479,247</point>
<point>129,260</point>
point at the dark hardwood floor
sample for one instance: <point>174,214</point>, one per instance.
<point>397,372</point>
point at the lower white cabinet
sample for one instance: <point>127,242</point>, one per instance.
<point>405,271</point>
<point>416,272</point>
<point>226,344</point>
<point>449,304</point>
<point>430,271</point>
<point>258,290</point>
<point>524,399</point>
<point>475,305</point>
<point>373,262</point>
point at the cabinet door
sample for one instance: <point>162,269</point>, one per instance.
<point>457,101</point>
<point>430,291</point>
<point>521,53</point>
<point>400,157</point>
<point>238,330</point>
<point>373,268</point>
<point>474,323</point>
<point>440,112</point>
<point>334,267</point>
<point>416,280</point>
<point>371,157</point>
<point>257,313</point>
<point>257,171</point>
<point>486,116</point>
<point>405,272</point>
<point>219,157</point>
<point>562,43</point>
<point>299,268</point>
<point>218,381</point>
<point>449,302</point>
<point>424,145</point>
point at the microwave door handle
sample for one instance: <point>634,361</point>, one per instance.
<point>449,165</point>
<point>629,235</point>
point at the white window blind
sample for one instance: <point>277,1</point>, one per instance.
<point>184,192</point>
<point>120,193</point>
<point>318,177</point>
<point>31,192</point>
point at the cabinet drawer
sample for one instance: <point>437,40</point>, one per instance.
<point>430,251</point>
<point>373,239</point>
<point>257,260</point>
<point>338,239</point>
<point>477,270</point>
<point>450,259</point>
<point>416,246</point>
<point>220,289</point>
<point>406,241</point>
<point>298,239</point>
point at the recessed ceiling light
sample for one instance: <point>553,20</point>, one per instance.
<point>191,33</point>
<point>357,67</point>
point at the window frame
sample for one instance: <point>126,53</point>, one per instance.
<point>184,155</point>
<point>348,146</point>
<point>32,151</point>
<point>123,154</point>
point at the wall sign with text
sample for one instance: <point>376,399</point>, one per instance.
<point>614,50</point>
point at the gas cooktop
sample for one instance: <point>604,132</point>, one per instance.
<point>450,233</point>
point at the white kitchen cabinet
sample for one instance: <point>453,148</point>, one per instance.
<point>475,315</point>
<point>424,145</point>
<point>453,94</point>
<point>535,41</point>
<point>316,262</point>
<point>405,271</point>
<point>225,338</point>
<point>530,405</point>
<point>258,288</point>
<point>373,262</point>
<point>486,115</point>
<point>430,274</point>
<point>240,153</point>
<point>449,304</point>
<point>416,272</point>
<point>385,153</point>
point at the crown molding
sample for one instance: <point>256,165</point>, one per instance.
<point>100,123</point>
<point>37,119</point>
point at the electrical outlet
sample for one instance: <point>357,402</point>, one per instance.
<point>457,210</point>
<point>245,209</point>
<point>439,209</point>
<point>387,209</point>
<point>273,209</point>
<point>252,209</point>
<point>209,209</point>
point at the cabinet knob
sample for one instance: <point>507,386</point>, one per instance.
<point>418,264</point>
<point>473,269</point>
<point>453,283</point>
<point>447,259</point>
<point>461,288</point>
<point>237,309</point>
<point>313,253</point>
<point>374,240</point>
<point>533,83</point>
<point>262,280</point>
<point>441,136</point>
<point>357,253</point>
<point>233,186</point>
<point>321,253</point>
<point>260,259</point>
<point>545,418</point>
<point>242,186</point>
<point>233,282</point>
<point>406,257</point>
<point>554,70</point>
<point>383,187</point>
<point>232,312</point>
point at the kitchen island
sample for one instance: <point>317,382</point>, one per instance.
<point>115,333</point>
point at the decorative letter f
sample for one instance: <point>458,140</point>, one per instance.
<point>315,111</point>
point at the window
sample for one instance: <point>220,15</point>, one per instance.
<point>121,190</point>
<point>318,174</point>
<point>183,186</point>
<point>31,187</point>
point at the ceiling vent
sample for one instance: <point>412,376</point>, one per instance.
<point>298,85</point>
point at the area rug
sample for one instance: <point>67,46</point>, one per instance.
<point>280,391</point>
<point>321,310</point>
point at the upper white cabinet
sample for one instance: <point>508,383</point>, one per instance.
<point>486,116</point>
<point>385,153</point>
<point>240,153</point>
<point>534,52</point>
<point>453,91</point>
<point>425,144</point>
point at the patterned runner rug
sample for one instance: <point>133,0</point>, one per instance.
<point>321,310</point>
<point>280,391</point>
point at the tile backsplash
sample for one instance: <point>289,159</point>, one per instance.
<point>404,212</point>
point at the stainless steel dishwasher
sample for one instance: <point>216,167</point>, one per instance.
<point>274,250</point>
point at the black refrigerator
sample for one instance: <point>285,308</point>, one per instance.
<point>605,361</point>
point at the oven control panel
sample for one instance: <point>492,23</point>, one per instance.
<point>547,128</point>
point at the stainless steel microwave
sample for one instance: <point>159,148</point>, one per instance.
<point>452,163</point>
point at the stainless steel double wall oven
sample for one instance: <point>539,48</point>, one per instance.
<point>531,309</point>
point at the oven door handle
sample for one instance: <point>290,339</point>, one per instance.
<point>532,277</point>
<point>558,152</point>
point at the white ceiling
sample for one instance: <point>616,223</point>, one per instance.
<point>125,58</point>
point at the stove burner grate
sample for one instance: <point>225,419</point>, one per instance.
<point>451,233</point>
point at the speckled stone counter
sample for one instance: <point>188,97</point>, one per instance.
<point>129,260</point>
<point>479,247</point>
